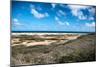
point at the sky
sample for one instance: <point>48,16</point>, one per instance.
<point>39,16</point>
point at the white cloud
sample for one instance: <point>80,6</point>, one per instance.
<point>53,5</point>
<point>67,23</point>
<point>92,10</point>
<point>90,24</point>
<point>61,12</point>
<point>60,22</point>
<point>76,11</point>
<point>56,18</point>
<point>81,16</point>
<point>46,14</point>
<point>78,7</point>
<point>63,5</point>
<point>38,15</point>
<point>91,18</point>
<point>16,22</point>
<point>92,13</point>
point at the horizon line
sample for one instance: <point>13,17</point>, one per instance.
<point>52,32</point>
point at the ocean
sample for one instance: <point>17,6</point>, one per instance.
<point>47,32</point>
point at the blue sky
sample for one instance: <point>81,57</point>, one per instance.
<point>37,16</point>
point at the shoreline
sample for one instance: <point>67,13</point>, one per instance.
<point>48,33</point>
